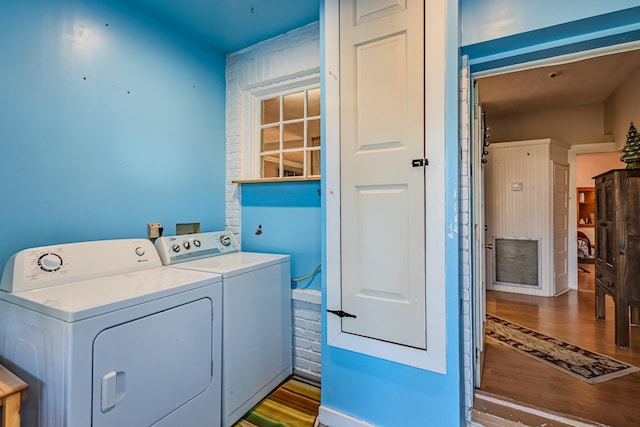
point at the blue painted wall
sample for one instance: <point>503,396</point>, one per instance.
<point>503,32</point>
<point>108,121</point>
<point>285,218</point>
<point>484,20</point>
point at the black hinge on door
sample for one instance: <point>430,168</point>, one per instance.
<point>417,163</point>
<point>341,313</point>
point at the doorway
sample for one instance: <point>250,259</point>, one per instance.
<point>572,102</point>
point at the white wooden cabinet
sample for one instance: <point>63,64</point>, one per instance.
<point>527,207</point>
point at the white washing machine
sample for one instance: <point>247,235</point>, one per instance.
<point>106,336</point>
<point>256,326</point>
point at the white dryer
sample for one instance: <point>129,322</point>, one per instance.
<point>106,336</point>
<point>256,326</point>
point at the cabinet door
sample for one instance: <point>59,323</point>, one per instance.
<point>629,229</point>
<point>605,213</point>
<point>560,254</point>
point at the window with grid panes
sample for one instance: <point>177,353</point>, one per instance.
<point>290,134</point>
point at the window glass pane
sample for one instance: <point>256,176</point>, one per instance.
<point>293,106</point>
<point>313,102</point>
<point>313,162</point>
<point>313,133</point>
<point>293,135</point>
<point>270,139</point>
<point>292,163</point>
<point>270,110</point>
<point>289,140</point>
<point>271,166</point>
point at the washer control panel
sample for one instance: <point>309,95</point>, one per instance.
<point>187,247</point>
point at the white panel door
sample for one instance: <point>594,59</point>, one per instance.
<point>382,195</point>
<point>560,227</point>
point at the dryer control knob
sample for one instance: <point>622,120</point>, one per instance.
<point>196,243</point>
<point>186,245</point>
<point>50,262</point>
<point>139,251</point>
<point>225,240</point>
<point>176,248</point>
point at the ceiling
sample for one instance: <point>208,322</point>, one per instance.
<point>231,25</point>
<point>577,83</point>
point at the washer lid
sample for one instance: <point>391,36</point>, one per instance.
<point>235,263</point>
<point>76,301</point>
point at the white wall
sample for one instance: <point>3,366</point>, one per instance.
<point>623,107</point>
<point>590,165</point>
<point>577,125</point>
<point>466,224</point>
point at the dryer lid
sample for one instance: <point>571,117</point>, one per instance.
<point>76,301</point>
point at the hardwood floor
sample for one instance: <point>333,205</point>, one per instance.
<point>569,317</point>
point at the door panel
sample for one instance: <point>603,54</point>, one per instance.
<point>381,94</point>
<point>479,248</point>
<point>560,227</point>
<point>382,195</point>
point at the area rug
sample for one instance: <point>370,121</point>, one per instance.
<point>293,404</point>
<point>571,359</point>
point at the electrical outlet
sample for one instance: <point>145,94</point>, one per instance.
<point>154,230</point>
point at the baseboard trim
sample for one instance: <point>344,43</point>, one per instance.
<point>332,418</point>
<point>492,410</point>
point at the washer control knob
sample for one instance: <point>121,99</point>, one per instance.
<point>186,244</point>
<point>139,251</point>
<point>225,240</point>
<point>196,243</point>
<point>176,248</point>
<point>50,262</point>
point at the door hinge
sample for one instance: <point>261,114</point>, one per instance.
<point>417,163</point>
<point>341,313</point>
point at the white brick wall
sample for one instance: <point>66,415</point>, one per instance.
<point>288,56</point>
<point>307,333</point>
<point>465,233</point>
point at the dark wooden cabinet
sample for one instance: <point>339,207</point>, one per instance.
<point>618,247</point>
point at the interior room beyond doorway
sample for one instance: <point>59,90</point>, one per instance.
<point>588,104</point>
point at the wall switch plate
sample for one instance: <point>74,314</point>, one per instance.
<point>154,230</point>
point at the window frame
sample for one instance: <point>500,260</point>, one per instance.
<point>251,148</point>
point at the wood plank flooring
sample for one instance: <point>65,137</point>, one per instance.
<point>569,317</point>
